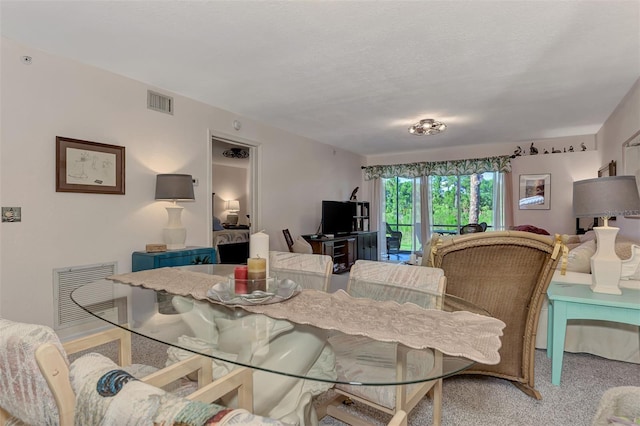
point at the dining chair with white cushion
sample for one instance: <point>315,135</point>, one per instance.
<point>311,271</point>
<point>281,397</point>
<point>423,286</point>
<point>38,385</point>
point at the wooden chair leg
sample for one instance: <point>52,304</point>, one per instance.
<point>4,417</point>
<point>532,392</point>
<point>399,419</point>
<point>437,403</point>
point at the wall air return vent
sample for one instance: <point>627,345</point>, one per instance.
<point>65,280</point>
<point>159,102</point>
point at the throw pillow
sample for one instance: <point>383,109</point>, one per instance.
<point>589,235</point>
<point>300,245</point>
<point>623,247</point>
<point>631,266</point>
<point>579,259</point>
<point>217,226</point>
<point>530,228</point>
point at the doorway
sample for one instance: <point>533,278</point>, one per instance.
<point>234,196</point>
<point>231,183</point>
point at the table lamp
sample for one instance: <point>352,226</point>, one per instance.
<point>604,197</point>
<point>234,207</point>
<point>174,187</point>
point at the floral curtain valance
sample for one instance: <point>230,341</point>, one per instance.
<point>440,168</point>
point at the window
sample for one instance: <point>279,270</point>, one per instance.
<point>402,210</point>
<point>453,202</point>
<point>458,200</point>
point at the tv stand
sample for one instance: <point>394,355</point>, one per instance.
<point>345,249</point>
<point>342,250</point>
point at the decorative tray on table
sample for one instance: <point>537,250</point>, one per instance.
<point>277,290</point>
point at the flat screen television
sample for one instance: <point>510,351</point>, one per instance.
<point>337,217</point>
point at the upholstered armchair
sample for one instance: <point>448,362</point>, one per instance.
<point>506,273</point>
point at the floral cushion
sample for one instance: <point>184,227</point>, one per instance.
<point>107,395</point>
<point>24,392</point>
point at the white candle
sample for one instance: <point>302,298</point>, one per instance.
<point>259,247</point>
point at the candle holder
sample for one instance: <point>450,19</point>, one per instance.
<point>277,290</point>
<point>241,286</point>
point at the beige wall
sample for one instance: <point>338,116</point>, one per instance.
<point>230,183</point>
<point>623,123</point>
<point>565,168</point>
<point>55,96</point>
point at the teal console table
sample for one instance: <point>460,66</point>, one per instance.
<point>577,301</point>
<point>141,260</point>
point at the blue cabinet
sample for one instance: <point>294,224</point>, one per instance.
<point>141,260</point>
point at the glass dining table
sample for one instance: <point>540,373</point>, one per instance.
<point>187,318</point>
<point>273,348</point>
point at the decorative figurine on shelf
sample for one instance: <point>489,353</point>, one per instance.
<point>564,149</point>
<point>545,151</point>
<point>353,195</point>
<point>583,147</point>
<point>555,151</point>
<point>533,150</point>
<point>517,152</point>
<point>570,148</point>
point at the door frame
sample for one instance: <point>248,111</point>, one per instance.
<point>255,166</point>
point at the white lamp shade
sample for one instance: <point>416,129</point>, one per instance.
<point>233,205</point>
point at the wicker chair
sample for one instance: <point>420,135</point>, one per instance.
<point>507,273</point>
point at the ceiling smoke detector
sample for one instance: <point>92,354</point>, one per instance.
<point>428,126</point>
<point>236,153</point>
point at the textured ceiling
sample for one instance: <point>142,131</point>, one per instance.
<point>357,74</point>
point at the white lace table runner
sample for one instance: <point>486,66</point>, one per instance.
<point>461,333</point>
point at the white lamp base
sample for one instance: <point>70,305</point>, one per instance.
<point>606,266</point>
<point>174,234</point>
<point>232,218</point>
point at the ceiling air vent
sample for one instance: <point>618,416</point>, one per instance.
<point>158,102</point>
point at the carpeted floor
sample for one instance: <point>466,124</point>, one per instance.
<point>480,401</point>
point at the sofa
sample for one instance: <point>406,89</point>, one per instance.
<point>610,340</point>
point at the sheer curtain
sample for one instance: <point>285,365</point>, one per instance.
<point>376,214</point>
<point>425,212</point>
<point>503,197</point>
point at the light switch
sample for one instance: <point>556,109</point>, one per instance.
<point>12,214</point>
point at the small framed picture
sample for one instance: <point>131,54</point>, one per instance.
<point>607,170</point>
<point>89,167</point>
<point>535,192</point>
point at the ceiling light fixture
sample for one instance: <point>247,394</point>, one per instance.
<point>428,126</point>
<point>236,153</point>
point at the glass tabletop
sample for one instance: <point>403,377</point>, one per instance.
<point>230,335</point>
